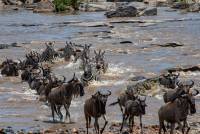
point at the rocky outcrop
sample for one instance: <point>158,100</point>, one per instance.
<point>44,6</point>
<point>150,11</point>
<point>123,11</point>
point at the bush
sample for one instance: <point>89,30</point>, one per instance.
<point>61,5</point>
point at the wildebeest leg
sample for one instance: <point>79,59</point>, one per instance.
<point>67,112</point>
<point>52,110</point>
<point>123,120</point>
<point>106,122</point>
<point>180,126</point>
<point>60,113</point>
<point>141,124</point>
<point>162,126</point>
<point>131,124</point>
<point>121,108</point>
<point>188,126</point>
<point>172,128</point>
<point>87,122</point>
<point>96,125</point>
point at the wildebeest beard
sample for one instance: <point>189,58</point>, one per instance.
<point>100,106</point>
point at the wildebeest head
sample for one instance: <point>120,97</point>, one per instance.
<point>169,80</point>
<point>9,68</point>
<point>185,86</point>
<point>78,86</point>
<point>102,95</point>
<point>142,104</point>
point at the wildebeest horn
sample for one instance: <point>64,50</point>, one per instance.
<point>197,92</point>
<point>192,84</point>
<point>74,75</point>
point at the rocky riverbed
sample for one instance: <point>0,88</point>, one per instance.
<point>134,47</point>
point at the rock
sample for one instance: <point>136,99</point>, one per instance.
<point>157,3</point>
<point>44,6</point>
<point>195,7</point>
<point>168,45</point>
<point>126,42</point>
<point>89,7</point>
<point>179,5</point>
<point>137,78</point>
<point>125,11</point>
<point>184,69</point>
<point>6,46</point>
<point>150,11</point>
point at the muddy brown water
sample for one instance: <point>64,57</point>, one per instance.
<point>19,106</point>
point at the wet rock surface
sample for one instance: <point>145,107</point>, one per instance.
<point>168,45</point>
<point>125,11</point>
<point>6,46</point>
<point>150,11</point>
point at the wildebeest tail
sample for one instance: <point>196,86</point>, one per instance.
<point>114,103</point>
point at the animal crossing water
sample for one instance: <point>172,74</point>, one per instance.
<point>19,105</point>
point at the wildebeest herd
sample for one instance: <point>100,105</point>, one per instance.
<point>53,89</point>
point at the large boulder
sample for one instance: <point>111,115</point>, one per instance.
<point>124,11</point>
<point>44,6</point>
<point>150,11</point>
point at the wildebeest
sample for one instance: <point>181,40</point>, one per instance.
<point>169,80</point>
<point>48,83</point>
<point>129,94</point>
<point>63,95</point>
<point>96,107</point>
<point>134,108</point>
<point>32,59</point>
<point>9,68</point>
<point>177,111</point>
<point>182,88</point>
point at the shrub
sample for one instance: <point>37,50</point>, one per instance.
<point>61,5</point>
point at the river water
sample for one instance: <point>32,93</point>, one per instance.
<point>19,106</point>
